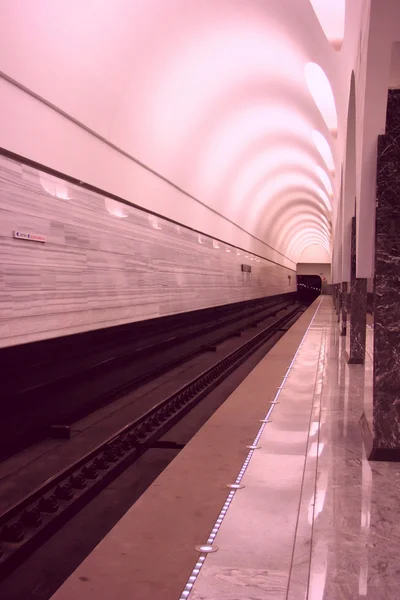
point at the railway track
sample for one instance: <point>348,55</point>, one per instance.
<point>29,411</point>
<point>27,524</point>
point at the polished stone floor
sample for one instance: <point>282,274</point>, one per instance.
<point>315,520</point>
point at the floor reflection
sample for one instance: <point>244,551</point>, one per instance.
<point>343,540</point>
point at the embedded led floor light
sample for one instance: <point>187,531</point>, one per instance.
<point>206,548</point>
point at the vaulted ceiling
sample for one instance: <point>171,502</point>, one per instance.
<point>235,101</point>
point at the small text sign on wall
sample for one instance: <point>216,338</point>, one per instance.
<point>246,268</point>
<point>31,237</point>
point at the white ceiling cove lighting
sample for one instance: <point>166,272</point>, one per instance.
<point>226,86</point>
<point>324,149</point>
<point>321,91</point>
<point>331,15</point>
<point>325,199</point>
<point>325,180</point>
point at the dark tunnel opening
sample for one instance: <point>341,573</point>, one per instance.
<point>309,287</point>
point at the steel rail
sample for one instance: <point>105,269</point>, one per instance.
<point>27,524</point>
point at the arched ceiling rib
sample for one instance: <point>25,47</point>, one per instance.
<point>331,14</point>
<point>324,149</point>
<point>301,240</point>
<point>248,118</point>
<point>225,99</point>
<point>296,222</point>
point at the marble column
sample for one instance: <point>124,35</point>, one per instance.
<point>343,324</point>
<point>385,435</point>
<point>339,302</point>
<point>337,298</point>
<point>357,307</point>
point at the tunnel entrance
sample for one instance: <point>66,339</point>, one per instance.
<point>309,286</point>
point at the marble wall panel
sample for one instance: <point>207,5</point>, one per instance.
<point>343,326</point>
<point>339,302</point>
<point>386,354</point>
<point>106,263</point>
<point>357,307</point>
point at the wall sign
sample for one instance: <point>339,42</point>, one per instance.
<point>31,237</point>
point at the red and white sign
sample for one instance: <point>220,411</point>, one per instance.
<point>31,237</point>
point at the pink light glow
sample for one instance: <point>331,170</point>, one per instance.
<point>325,180</point>
<point>216,61</point>
<point>296,248</point>
<point>304,223</point>
<point>304,200</point>
<point>266,164</point>
<point>216,103</point>
<point>303,232</point>
<point>275,190</point>
<point>331,15</point>
<point>237,131</point>
<point>305,237</point>
<point>54,186</point>
<point>324,149</point>
<point>296,215</point>
<point>325,199</point>
<point>321,91</point>
<point>314,252</point>
<point>117,209</point>
<point>292,207</point>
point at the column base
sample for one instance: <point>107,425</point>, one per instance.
<point>373,452</point>
<point>353,361</point>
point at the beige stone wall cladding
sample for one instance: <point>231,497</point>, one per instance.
<point>105,263</point>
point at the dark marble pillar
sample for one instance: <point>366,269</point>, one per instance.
<point>337,298</point>
<point>343,324</point>
<point>385,436</point>
<point>339,302</point>
<point>357,307</point>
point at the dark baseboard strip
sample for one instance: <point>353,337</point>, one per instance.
<point>385,454</point>
<point>373,452</point>
<point>353,361</point>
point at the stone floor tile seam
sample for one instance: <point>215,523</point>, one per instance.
<point>351,553</point>
<point>316,468</point>
<point>201,559</point>
<point>318,380</point>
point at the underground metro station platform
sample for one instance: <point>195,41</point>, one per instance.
<point>273,498</point>
<point>199,299</point>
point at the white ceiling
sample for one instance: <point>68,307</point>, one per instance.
<point>216,96</point>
